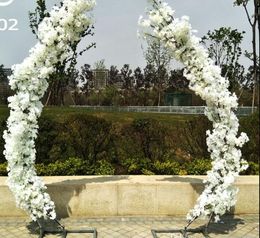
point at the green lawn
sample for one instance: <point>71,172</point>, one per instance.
<point>120,117</point>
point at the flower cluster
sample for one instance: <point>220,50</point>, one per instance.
<point>206,81</point>
<point>29,79</point>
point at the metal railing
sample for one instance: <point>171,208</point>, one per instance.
<point>195,110</point>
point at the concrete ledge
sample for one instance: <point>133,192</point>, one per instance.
<point>130,195</point>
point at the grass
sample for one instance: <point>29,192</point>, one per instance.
<point>58,113</point>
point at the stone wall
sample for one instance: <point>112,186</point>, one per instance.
<point>92,196</point>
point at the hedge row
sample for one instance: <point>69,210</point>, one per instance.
<point>76,166</point>
<point>81,144</point>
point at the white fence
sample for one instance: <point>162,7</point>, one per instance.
<point>196,110</point>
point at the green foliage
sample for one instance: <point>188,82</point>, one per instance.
<point>250,125</point>
<point>76,166</point>
<point>224,48</point>
<point>78,142</point>
<point>253,168</point>
<point>135,165</point>
<point>36,17</point>
<point>198,166</point>
<point>109,96</point>
<point>224,45</point>
<point>172,167</point>
<point>48,132</point>
<point>3,169</point>
<point>141,143</point>
<point>158,58</point>
<point>104,168</point>
<point>70,166</point>
<point>65,72</point>
<point>2,74</point>
<point>191,137</point>
<point>83,136</point>
<point>167,167</point>
<point>100,65</point>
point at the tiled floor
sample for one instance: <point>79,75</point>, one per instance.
<point>246,226</point>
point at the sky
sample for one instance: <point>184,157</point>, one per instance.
<point>116,28</point>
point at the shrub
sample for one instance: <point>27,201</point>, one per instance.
<point>136,165</point>
<point>140,144</point>
<point>80,144</point>
<point>70,166</point>
<point>150,136</point>
<point>253,169</point>
<point>104,168</point>
<point>198,166</point>
<point>191,137</point>
<point>167,168</point>
<point>250,125</point>
<point>76,166</point>
<point>49,130</point>
<point>85,137</point>
<point>3,169</point>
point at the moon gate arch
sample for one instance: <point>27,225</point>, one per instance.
<point>64,26</point>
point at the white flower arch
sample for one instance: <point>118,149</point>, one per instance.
<point>206,81</point>
<point>55,33</point>
<point>65,25</point>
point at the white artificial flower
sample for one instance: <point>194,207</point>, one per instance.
<point>29,79</point>
<point>206,81</point>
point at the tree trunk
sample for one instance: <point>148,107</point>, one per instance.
<point>255,74</point>
<point>258,71</point>
<point>48,99</point>
<point>255,66</point>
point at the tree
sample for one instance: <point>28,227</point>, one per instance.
<point>114,76</point>
<point>86,79</point>
<point>253,23</point>
<point>139,82</point>
<point>127,77</point>
<point>100,65</point>
<point>177,80</point>
<point>4,88</point>
<point>36,17</point>
<point>73,85</point>
<point>2,73</point>
<point>158,57</point>
<point>224,48</point>
<point>60,79</point>
<point>149,75</point>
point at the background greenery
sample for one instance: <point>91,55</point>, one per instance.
<point>77,141</point>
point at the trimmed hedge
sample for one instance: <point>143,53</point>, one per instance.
<point>76,166</point>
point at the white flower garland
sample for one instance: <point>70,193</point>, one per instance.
<point>205,79</point>
<point>56,33</point>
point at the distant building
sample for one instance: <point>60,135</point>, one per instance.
<point>178,99</point>
<point>5,90</point>
<point>100,78</point>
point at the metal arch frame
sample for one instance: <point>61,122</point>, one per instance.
<point>62,231</point>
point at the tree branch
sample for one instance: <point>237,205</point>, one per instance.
<point>247,14</point>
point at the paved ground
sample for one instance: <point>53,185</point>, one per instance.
<point>246,226</point>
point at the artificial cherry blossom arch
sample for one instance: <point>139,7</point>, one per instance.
<point>206,81</point>
<point>65,25</point>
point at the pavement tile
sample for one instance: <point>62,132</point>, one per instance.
<point>246,226</point>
